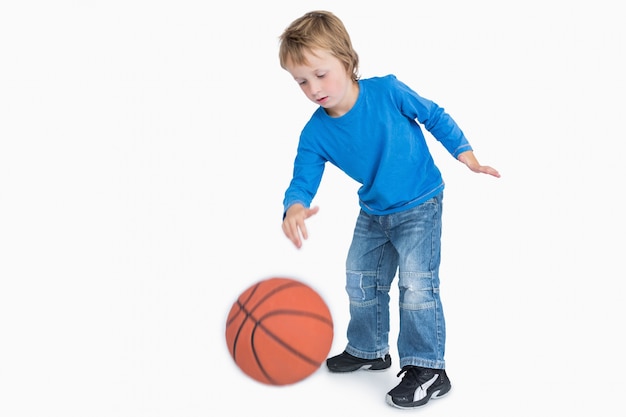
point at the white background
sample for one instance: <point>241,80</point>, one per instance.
<point>144,150</point>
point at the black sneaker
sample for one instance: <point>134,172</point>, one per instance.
<point>418,386</point>
<point>344,362</point>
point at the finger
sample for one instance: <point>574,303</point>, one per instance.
<point>296,239</point>
<point>312,211</point>
<point>492,171</point>
<point>292,234</point>
<point>303,231</point>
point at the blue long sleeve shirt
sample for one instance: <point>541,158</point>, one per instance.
<point>380,144</point>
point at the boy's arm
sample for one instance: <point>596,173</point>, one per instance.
<point>472,163</point>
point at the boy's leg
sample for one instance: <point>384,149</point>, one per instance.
<point>422,337</point>
<point>371,265</point>
<point>421,342</point>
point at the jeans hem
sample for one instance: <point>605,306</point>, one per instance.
<point>367,355</point>
<point>423,363</point>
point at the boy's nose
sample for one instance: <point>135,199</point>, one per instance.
<point>314,88</point>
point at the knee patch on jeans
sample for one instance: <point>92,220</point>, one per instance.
<point>417,290</point>
<point>361,287</point>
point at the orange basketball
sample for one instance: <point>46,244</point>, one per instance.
<point>279,331</point>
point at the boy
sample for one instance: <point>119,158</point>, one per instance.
<point>370,129</point>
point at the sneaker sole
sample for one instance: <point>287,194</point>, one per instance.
<point>364,367</point>
<point>377,366</point>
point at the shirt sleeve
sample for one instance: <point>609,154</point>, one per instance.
<point>433,117</point>
<point>307,175</point>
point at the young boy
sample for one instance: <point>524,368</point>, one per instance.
<point>370,129</point>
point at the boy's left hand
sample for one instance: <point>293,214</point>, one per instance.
<point>472,163</point>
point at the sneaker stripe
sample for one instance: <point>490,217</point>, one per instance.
<point>422,391</point>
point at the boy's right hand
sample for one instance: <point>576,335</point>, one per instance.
<point>293,223</point>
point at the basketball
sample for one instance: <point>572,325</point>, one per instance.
<point>279,331</point>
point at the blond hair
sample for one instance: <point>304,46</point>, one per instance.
<point>318,30</point>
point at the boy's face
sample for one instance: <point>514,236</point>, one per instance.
<point>325,81</point>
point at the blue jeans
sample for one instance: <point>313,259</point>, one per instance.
<point>408,242</point>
